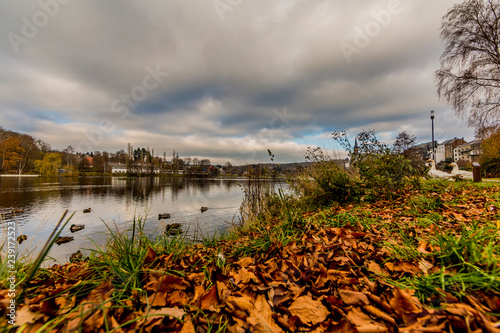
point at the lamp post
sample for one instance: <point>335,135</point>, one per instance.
<point>433,144</point>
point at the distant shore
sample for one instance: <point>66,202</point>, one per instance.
<point>16,175</point>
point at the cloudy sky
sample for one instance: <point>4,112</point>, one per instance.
<point>221,79</point>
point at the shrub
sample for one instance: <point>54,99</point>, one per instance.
<point>324,181</point>
<point>380,169</point>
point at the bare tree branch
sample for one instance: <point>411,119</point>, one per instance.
<point>469,77</point>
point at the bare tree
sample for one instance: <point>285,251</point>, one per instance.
<point>403,142</point>
<point>469,77</point>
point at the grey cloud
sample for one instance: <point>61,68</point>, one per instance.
<point>225,76</point>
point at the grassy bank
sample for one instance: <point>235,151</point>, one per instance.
<point>423,257</point>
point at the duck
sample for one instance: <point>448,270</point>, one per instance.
<point>61,240</point>
<point>76,227</point>
<point>22,238</point>
<point>173,229</point>
<point>434,173</point>
<point>87,210</point>
<point>77,256</point>
<point>460,174</point>
<point>204,209</point>
<point>17,211</point>
<point>163,216</point>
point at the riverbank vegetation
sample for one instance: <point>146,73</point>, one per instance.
<point>360,250</point>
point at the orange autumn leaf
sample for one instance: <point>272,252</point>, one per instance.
<point>350,297</point>
<point>244,303</point>
<point>174,312</point>
<point>150,256</point>
<point>261,317</point>
<point>244,262</point>
<point>210,299</point>
<point>308,310</point>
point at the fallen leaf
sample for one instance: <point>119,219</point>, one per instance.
<point>379,313</point>
<point>261,317</point>
<point>188,326</point>
<point>150,256</point>
<point>210,300</point>
<point>174,312</point>
<point>375,268</point>
<point>308,310</point>
<point>350,297</point>
<point>244,303</point>
<point>245,262</point>
<point>404,305</point>
<point>25,316</point>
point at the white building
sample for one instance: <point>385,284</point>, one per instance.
<point>118,168</point>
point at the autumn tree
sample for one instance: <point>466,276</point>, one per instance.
<point>10,153</point>
<point>50,164</point>
<point>469,77</point>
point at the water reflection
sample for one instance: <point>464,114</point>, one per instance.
<point>114,201</point>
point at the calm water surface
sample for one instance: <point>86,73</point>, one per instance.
<point>114,201</point>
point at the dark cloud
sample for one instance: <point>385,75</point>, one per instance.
<point>258,75</point>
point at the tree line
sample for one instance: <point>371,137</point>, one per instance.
<point>24,154</point>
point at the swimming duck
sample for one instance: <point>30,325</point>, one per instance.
<point>460,174</point>
<point>173,229</point>
<point>163,216</point>
<point>87,210</point>
<point>77,256</point>
<point>434,173</point>
<point>61,240</point>
<point>204,209</point>
<point>22,238</point>
<point>76,227</point>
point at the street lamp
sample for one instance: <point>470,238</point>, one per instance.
<point>433,144</point>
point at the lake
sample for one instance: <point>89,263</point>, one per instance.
<point>114,201</point>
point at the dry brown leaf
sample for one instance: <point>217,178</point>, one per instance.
<point>425,266</point>
<point>25,316</point>
<point>150,256</point>
<point>244,303</point>
<point>174,312</point>
<point>165,283</point>
<point>177,297</point>
<point>158,299</point>
<point>243,276</point>
<point>308,310</point>
<point>210,300</point>
<point>115,326</point>
<point>379,313</point>
<point>261,318</point>
<point>358,318</point>
<point>350,297</point>
<point>403,305</point>
<point>101,294</point>
<point>188,326</point>
<point>245,262</point>
<point>198,291</point>
<point>94,322</point>
<point>344,326</point>
<point>372,328</point>
<point>422,247</point>
<point>375,268</point>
